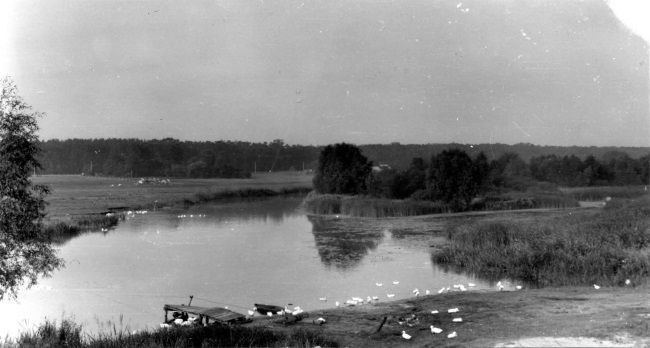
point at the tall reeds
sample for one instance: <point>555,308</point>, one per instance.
<point>69,334</point>
<point>607,247</point>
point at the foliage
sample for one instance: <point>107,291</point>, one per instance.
<point>359,206</point>
<point>453,178</point>
<point>342,169</point>
<point>25,253</point>
<point>606,247</point>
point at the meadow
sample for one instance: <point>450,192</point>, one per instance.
<point>75,195</point>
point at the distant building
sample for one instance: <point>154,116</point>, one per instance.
<point>381,168</point>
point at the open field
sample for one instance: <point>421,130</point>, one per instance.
<point>80,195</point>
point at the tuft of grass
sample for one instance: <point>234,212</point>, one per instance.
<point>606,247</point>
<point>69,334</point>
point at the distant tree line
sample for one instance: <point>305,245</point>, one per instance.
<point>454,177</point>
<point>171,158</point>
<point>174,158</point>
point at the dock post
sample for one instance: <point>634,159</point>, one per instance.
<point>191,297</point>
<point>165,318</point>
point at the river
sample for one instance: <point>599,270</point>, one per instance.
<point>234,255</point>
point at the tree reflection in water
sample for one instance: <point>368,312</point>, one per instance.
<point>343,243</point>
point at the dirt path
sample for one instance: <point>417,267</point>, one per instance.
<point>542,317</point>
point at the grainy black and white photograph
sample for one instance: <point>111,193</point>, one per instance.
<point>324,173</point>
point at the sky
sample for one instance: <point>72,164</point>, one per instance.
<point>547,72</point>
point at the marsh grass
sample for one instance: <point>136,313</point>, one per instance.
<point>69,334</point>
<point>358,206</point>
<point>62,231</point>
<point>362,206</point>
<point>606,248</point>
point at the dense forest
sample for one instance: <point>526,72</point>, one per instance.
<point>568,166</point>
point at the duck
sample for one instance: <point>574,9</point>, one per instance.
<point>405,335</point>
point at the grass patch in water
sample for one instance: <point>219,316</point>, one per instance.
<point>69,334</point>
<point>245,194</point>
<point>62,231</point>
<point>606,247</point>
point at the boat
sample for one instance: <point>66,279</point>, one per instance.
<point>264,309</point>
<point>216,314</point>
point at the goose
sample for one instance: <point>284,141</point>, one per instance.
<point>337,303</point>
<point>452,310</point>
<point>627,282</point>
<point>434,312</point>
<point>270,314</point>
<point>379,284</point>
<point>320,321</point>
<point>500,286</point>
<point>435,330</point>
<point>457,320</point>
<point>452,335</point>
<point>368,299</point>
<point>441,290</point>
<point>376,298</point>
<point>596,287</point>
<point>416,290</point>
<point>250,312</point>
<point>390,295</point>
<point>427,292</point>
<point>323,299</point>
<point>405,335</point>
<point>518,287</point>
<point>471,284</point>
<point>395,282</point>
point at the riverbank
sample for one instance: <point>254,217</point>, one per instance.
<point>549,317</point>
<point>617,315</point>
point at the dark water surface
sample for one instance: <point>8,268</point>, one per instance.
<point>230,255</point>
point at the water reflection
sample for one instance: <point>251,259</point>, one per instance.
<point>344,243</point>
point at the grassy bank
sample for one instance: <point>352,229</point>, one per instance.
<point>70,334</point>
<point>599,193</point>
<point>604,247</point>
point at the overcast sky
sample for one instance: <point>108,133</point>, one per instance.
<point>316,72</point>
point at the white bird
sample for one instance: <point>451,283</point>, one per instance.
<point>337,303</point>
<point>471,284</point>
<point>416,290</point>
<point>596,287</point>
<point>627,282</point>
<point>427,292</point>
<point>351,302</point>
<point>518,287</point>
<point>178,321</point>
<point>368,299</point>
<point>463,288</point>
<point>375,298</point>
<point>379,284</point>
<point>457,320</point>
<point>270,314</point>
<point>320,321</point>
<point>452,310</point>
<point>452,335</point>
<point>500,286</point>
<point>250,312</point>
<point>323,298</point>
<point>434,312</point>
<point>435,330</point>
<point>390,295</point>
<point>395,282</point>
<point>405,335</point>
<point>441,290</point>
<point>165,326</point>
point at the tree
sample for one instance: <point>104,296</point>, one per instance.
<point>25,252</point>
<point>342,169</point>
<point>451,178</point>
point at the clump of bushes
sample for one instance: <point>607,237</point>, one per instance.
<point>605,248</point>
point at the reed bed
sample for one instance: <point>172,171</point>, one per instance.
<point>69,334</point>
<point>604,248</point>
<point>359,206</point>
<point>245,194</point>
<point>62,231</point>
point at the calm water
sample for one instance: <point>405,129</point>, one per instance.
<point>229,255</point>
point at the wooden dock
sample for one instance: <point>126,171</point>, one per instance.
<point>218,314</point>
